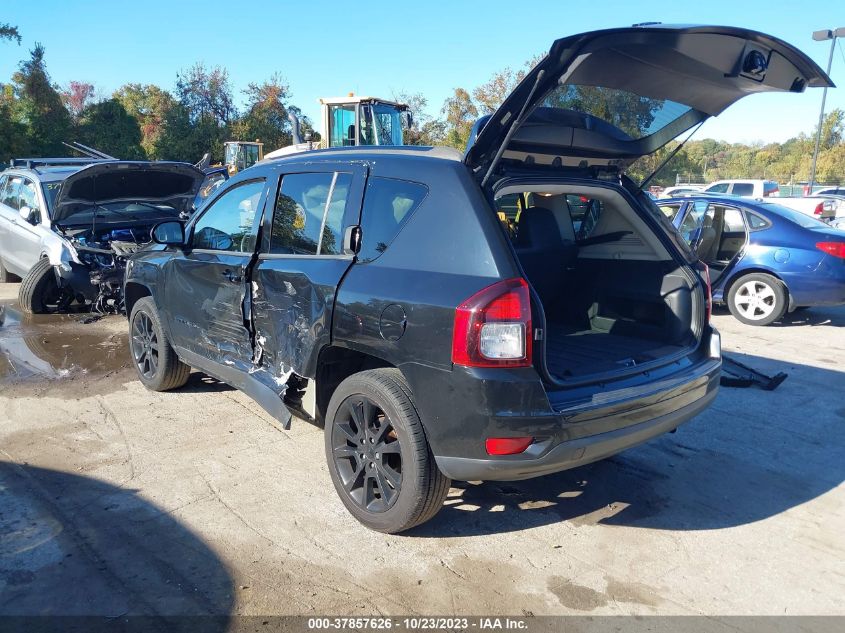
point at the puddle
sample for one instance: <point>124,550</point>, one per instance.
<point>34,347</point>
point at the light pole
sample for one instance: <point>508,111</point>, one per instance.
<point>821,36</point>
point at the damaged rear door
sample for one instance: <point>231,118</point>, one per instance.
<point>206,284</point>
<point>303,257</point>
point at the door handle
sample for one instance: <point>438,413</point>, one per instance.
<point>233,277</point>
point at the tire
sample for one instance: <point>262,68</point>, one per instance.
<point>39,292</point>
<point>157,364</point>
<point>757,299</point>
<point>389,504</point>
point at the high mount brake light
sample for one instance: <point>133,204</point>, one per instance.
<point>493,327</point>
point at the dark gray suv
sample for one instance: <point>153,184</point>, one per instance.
<point>519,310</point>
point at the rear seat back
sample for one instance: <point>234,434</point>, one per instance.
<point>543,252</point>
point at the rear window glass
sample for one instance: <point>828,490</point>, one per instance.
<point>799,218</point>
<point>634,115</point>
<point>388,204</point>
<point>743,189</point>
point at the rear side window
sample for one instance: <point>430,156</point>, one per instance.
<point>743,189</point>
<point>770,188</point>
<point>388,204</point>
<point>733,221</point>
<point>721,187</point>
<point>308,218</point>
<point>10,195</point>
<point>756,222</point>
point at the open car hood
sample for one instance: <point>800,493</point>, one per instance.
<point>170,183</point>
<point>609,97</point>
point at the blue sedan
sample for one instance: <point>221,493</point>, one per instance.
<point>764,259</point>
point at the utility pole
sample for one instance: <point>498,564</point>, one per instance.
<point>821,36</point>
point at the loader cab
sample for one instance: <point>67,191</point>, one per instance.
<point>240,155</point>
<point>352,120</point>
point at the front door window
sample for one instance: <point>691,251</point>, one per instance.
<point>229,224</point>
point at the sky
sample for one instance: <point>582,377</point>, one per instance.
<point>327,48</point>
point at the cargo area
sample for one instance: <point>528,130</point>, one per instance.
<point>613,297</point>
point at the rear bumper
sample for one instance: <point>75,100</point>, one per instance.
<point>574,434</point>
<point>574,453</point>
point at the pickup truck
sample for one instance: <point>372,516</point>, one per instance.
<point>816,206</point>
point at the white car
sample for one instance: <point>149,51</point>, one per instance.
<point>68,225</point>
<point>744,188</point>
<point>680,190</point>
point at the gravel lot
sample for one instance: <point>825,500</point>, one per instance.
<point>115,500</point>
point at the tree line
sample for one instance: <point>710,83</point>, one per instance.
<point>139,121</point>
<point>145,121</point>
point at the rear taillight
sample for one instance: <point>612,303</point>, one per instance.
<point>493,327</point>
<point>837,249</point>
<point>705,276</point>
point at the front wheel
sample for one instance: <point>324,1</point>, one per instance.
<point>40,293</point>
<point>157,364</point>
<point>378,455</point>
<point>757,299</point>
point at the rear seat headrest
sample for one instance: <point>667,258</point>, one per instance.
<point>538,229</point>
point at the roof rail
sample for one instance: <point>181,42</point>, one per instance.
<point>32,163</point>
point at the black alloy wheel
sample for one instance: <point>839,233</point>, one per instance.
<point>144,345</point>
<point>366,454</point>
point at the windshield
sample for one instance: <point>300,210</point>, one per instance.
<point>799,218</point>
<point>381,124</point>
<point>50,190</point>
<point>634,115</point>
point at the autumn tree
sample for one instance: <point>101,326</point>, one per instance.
<point>149,105</point>
<point>460,113</point>
<point>9,32</point>
<point>108,127</point>
<point>266,114</point>
<point>77,96</point>
<point>39,106</point>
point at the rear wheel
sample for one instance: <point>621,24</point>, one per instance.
<point>757,299</point>
<point>157,364</point>
<point>40,293</point>
<point>378,456</point>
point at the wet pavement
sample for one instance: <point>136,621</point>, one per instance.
<point>55,347</point>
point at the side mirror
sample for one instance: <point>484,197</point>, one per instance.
<point>28,214</point>
<point>407,120</point>
<point>169,233</point>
